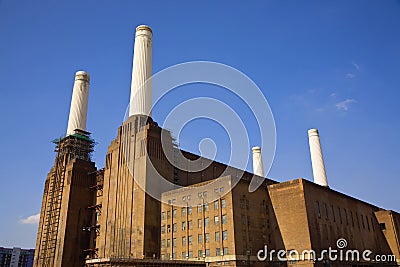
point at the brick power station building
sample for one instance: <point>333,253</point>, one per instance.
<point>206,217</point>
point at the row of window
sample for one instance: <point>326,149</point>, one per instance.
<point>167,215</point>
<point>200,195</point>
<point>343,216</point>
<point>200,239</point>
<point>200,254</point>
<point>188,224</point>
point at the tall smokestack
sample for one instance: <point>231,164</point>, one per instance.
<point>317,159</point>
<point>79,103</point>
<point>258,168</point>
<point>140,101</point>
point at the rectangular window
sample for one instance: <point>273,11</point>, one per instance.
<point>174,242</point>
<point>317,209</point>
<point>206,221</point>
<point>168,214</point>
<point>382,226</point>
<point>174,213</point>
<point>221,190</point>
<point>325,211</point>
<point>207,237</point>
<point>162,215</point>
<point>217,236</point>
<point>199,208</point>
<point>204,193</point>
<point>183,226</point>
<point>168,243</point>
<point>189,224</point>
<point>206,207</point>
<point>223,203</point>
<point>190,254</point>
<point>163,229</point>
<point>200,239</point>
<point>216,220</point>
<point>174,227</point>
<point>200,253</point>
<point>217,252</point>
<point>199,223</point>
<point>183,255</point>
<point>216,205</point>
<point>190,240</point>
<point>174,255</point>
<point>163,243</point>
<point>224,219</point>
<point>207,252</point>
<point>189,210</point>
<point>226,251</point>
<point>183,240</point>
<point>168,228</point>
<point>225,235</point>
<point>183,212</point>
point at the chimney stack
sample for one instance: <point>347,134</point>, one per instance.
<point>79,103</point>
<point>317,159</point>
<point>140,101</point>
<point>258,168</point>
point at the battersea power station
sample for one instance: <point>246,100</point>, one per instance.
<point>123,215</point>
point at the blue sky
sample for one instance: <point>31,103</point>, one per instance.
<point>332,65</point>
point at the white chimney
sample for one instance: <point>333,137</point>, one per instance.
<point>79,103</point>
<point>140,101</point>
<point>258,168</point>
<point>317,159</point>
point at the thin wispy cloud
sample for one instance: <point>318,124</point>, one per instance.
<point>355,65</point>
<point>333,95</point>
<point>350,75</point>
<point>345,104</point>
<point>33,219</point>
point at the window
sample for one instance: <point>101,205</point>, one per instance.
<point>325,211</point>
<point>183,226</point>
<point>216,220</point>
<point>162,215</point>
<point>174,255</point>
<point>216,205</point>
<point>163,243</point>
<point>318,210</point>
<point>200,253</point>
<point>168,243</point>
<point>206,207</point>
<point>226,251</point>
<point>174,213</point>
<point>183,255</point>
<point>168,228</point>
<point>204,193</point>
<point>198,208</point>
<point>223,203</point>
<point>207,253</point>
<point>221,189</point>
<point>163,229</point>
<point>243,218</point>
<point>206,221</point>
<point>190,240</point>
<point>217,236</point>
<point>174,227</point>
<point>163,256</point>
<point>168,214</point>
<point>190,254</point>
<point>183,212</point>
<point>207,237</point>
<point>200,239</point>
<point>224,219</point>
<point>189,210</point>
<point>189,224</point>
<point>199,223</point>
<point>225,235</point>
<point>382,226</point>
<point>174,242</point>
<point>217,252</point>
<point>183,240</point>
<point>216,190</point>
<point>199,194</point>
